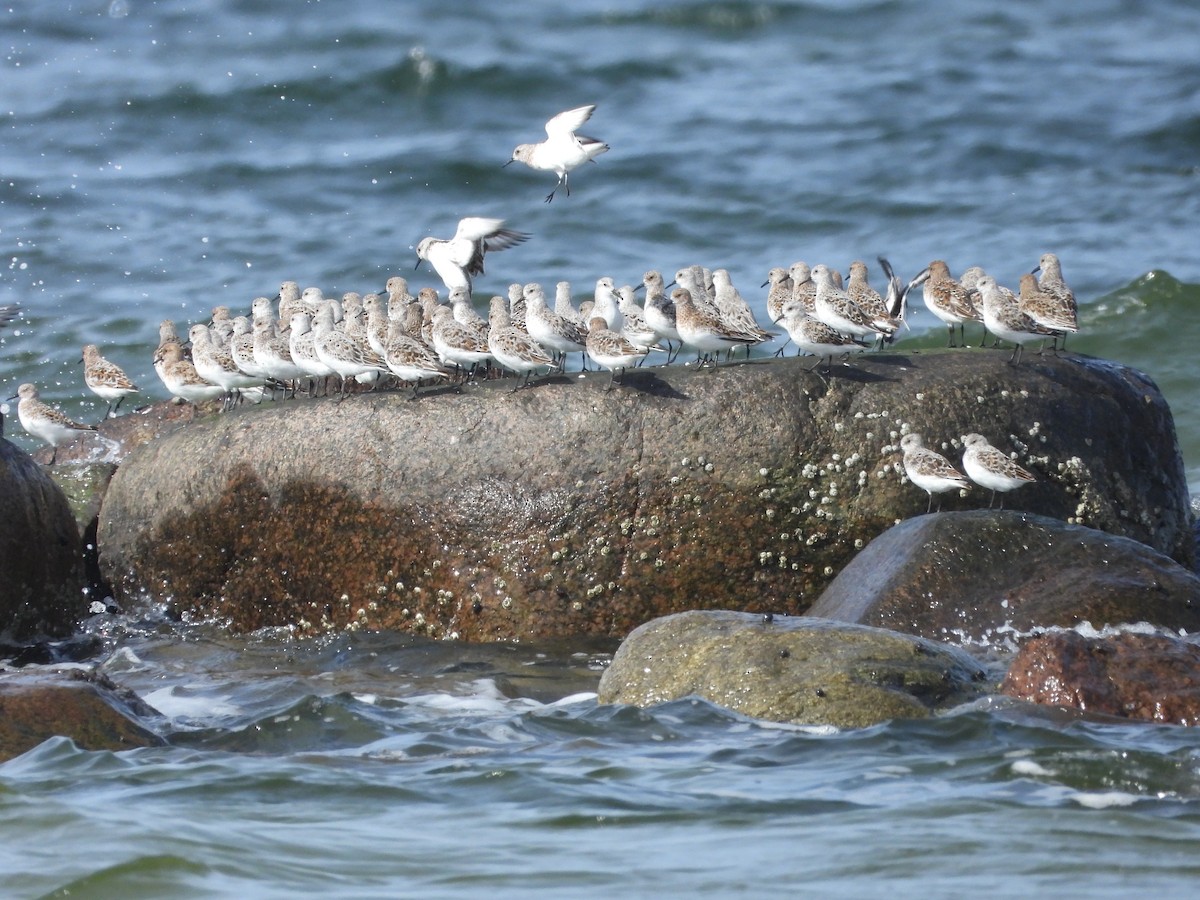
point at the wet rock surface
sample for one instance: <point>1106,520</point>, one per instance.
<point>41,558</point>
<point>565,509</point>
<point>1150,677</point>
<point>966,575</point>
<point>801,670</point>
<point>87,708</point>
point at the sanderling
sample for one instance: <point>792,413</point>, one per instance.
<point>465,312</point>
<point>835,308</point>
<point>409,359</point>
<point>273,353</point>
<point>734,311</point>
<point>167,338</point>
<point>702,328</point>
<point>456,344</point>
<point>804,288</point>
<point>547,327</point>
<point>990,468</point>
<point>241,349</point>
<point>563,151</point>
<point>512,348</point>
<point>660,312</point>
<point>220,328</point>
<point>947,299</point>
<point>377,323</point>
<point>866,298</point>
<point>1050,308</point>
<point>607,305</point>
<point>779,290</point>
<point>45,422</point>
<point>813,336</point>
<point>215,364</point>
<point>460,258</point>
<point>105,379</point>
<point>288,299</point>
<point>347,356</point>
<point>182,380</point>
<point>1003,317</point>
<point>565,307</point>
<point>1051,282</point>
<point>611,350</point>
<point>303,347</point>
<point>929,470</point>
<point>634,327</point>
<point>397,294</point>
<point>516,306</point>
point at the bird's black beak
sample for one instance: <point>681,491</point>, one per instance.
<point>765,283</point>
<point>1035,269</point>
<point>418,265</point>
<point>640,287</point>
<point>509,163</point>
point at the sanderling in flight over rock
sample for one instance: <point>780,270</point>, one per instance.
<point>929,470</point>
<point>105,379</point>
<point>460,258</point>
<point>563,150</point>
<point>991,468</point>
<point>45,422</point>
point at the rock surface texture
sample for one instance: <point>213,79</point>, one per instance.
<point>789,669</point>
<point>565,509</point>
<point>1138,676</point>
<point>965,576</point>
<point>41,558</point>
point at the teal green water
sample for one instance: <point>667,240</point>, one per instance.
<point>163,158</point>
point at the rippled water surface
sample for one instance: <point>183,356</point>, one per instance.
<point>162,158</point>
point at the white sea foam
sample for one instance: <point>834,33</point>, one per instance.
<point>1104,799</point>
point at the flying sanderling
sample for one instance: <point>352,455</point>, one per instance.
<point>990,468</point>
<point>460,258</point>
<point>45,422</point>
<point>105,379</point>
<point>929,470</point>
<point>563,151</point>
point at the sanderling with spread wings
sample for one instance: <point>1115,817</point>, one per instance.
<point>45,422</point>
<point>563,151</point>
<point>929,470</point>
<point>460,258</point>
<point>991,468</point>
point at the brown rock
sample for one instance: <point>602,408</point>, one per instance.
<point>565,509</point>
<point>965,575</point>
<point>89,709</point>
<point>1136,676</point>
<point>789,669</point>
<point>41,558</point>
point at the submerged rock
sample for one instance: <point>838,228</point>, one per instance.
<point>1138,676</point>
<point>789,669</point>
<point>41,559</point>
<point>87,708</point>
<point>567,509</point>
<point>966,575</point>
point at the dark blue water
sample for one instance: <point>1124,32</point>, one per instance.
<point>157,159</point>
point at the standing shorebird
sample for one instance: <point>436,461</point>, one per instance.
<point>991,468</point>
<point>105,379</point>
<point>929,470</point>
<point>45,422</point>
<point>563,150</point>
<point>460,258</point>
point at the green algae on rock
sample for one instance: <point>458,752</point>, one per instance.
<point>801,670</point>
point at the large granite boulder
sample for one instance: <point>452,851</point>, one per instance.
<point>564,508</point>
<point>789,669</point>
<point>967,575</point>
<point>87,708</point>
<point>1153,677</point>
<point>41,558</point>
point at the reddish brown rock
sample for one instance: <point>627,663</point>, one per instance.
<point>567,509</point>
<point>89,709</point>
<point>1135,676</point>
